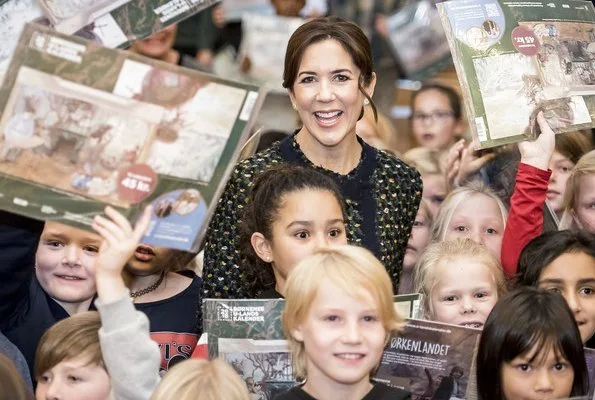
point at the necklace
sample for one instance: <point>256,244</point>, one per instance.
<point>148,289</point>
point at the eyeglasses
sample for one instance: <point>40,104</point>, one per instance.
<point>439,116</point>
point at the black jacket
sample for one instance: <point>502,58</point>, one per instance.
<point>26,311</point>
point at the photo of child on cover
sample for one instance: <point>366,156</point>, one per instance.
<point>177,217</point>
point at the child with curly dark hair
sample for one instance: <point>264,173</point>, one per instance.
<point>290,213</point>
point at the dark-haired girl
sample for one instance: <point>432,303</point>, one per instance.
<point>292,211</point>
<point>329,76</point>
<point>564,262</point>
<point>531,348</point>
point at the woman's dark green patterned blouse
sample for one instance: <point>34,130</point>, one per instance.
<point>382,195</point>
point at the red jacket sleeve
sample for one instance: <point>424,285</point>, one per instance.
<point>525,219</point>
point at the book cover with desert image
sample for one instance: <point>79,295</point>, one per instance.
<point>431,360</point>
<point>514,59</point>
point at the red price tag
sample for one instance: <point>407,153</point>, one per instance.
<point>136,182</point>
<point>524,41</point>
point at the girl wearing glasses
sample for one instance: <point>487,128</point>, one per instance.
<point>436,117</point>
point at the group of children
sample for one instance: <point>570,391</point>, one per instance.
<point>336,227</point>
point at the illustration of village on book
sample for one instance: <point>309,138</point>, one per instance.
<point>83,126</point>
<point>514,59</point>
<point>264,365</point>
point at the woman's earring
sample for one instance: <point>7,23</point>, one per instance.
<point>293,106</point>
<point>366,102</point>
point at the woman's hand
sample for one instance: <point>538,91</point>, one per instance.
<point>538,152</point>
<point>120,241</point>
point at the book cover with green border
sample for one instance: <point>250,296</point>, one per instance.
<point>431,360</point>
<point>134,20</point>
<point>516,58</point>
<point>83,126</point>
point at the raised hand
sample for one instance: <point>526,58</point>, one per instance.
<point>463,161</point>
<point>453,163</point>
<point>119,243</point>
<point>538,152</point>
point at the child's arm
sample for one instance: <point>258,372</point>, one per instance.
<point>131,357</point>
<point>19,237</point>
<point>525,219</point>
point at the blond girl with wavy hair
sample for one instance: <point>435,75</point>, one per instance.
<point>460,281</point>
<point>472,211</point>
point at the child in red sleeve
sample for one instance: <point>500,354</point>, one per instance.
<point>535,182</point>
<point>525,218</point>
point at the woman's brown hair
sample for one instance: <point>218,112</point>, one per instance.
<point>348,34</point>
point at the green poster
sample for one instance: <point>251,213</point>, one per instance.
<point>82,126</point>
<point>516,58</point>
